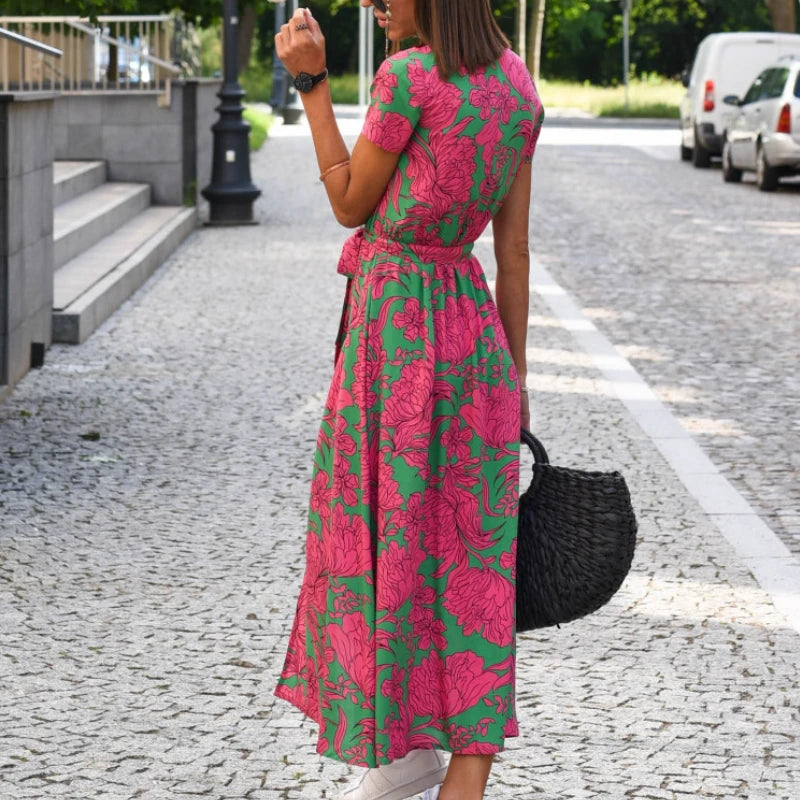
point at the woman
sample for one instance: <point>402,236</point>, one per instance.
<point>403,642</point>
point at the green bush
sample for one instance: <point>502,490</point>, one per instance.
<point>256,81</point>
<point>260,122</point>
<point>344,88</point>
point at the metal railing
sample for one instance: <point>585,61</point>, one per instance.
<point>25,43</point>
<point>112,53</point>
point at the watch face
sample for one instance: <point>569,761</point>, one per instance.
<point>303,82</point>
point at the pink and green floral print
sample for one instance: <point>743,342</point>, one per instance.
<point>404,631</point>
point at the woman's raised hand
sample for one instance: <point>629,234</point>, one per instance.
<point>300,44</point>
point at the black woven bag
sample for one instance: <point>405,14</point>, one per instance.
<point>577,533</point>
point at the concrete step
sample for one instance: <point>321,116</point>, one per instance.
<point>85,220</point>
<point>91,286</point>
<point>74,178</point>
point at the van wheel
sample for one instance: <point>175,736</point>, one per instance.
<point>766,176</point>
<point>701,157</point>
<point>686,152</point>
<point>729,173</point>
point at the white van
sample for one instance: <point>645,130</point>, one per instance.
<point>725,64</point>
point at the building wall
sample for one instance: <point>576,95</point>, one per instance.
<point>207,103</point>
<point>26,230</point>
<point>169,147</point>
<point>141,140</point>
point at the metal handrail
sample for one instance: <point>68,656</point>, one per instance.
<point>123,45</point>
<point>101,18</point>
<point>86,43</point>
<point>25,41</point>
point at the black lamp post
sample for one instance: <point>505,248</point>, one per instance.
<point>279,75</point>
<point>284,95</point>
<point>231,193</point>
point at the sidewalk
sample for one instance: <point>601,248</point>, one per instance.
<point>154,484</point>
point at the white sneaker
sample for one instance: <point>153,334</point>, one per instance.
<point>410,775</point>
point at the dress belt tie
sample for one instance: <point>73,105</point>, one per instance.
<point>360,247</point>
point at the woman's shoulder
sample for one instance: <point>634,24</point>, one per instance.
<point>516,71</point>
<point>514,67</point>
<point>422,54</point>
<point>511,59</point>
<point>399,64</point>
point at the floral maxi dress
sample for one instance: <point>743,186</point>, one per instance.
<point>404,634</point>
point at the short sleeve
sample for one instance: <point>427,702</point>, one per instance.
<point>533,131</point>
<point>391,118</point>
<point>531,108</point>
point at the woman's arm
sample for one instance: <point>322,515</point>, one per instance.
<point>510,227</point>
<point>355,190</point>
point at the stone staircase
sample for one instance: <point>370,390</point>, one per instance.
<point>107,240</point>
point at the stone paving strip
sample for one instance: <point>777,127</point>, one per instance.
<point>771,562</point>
<point>698,282</point>
<point>154,484</point>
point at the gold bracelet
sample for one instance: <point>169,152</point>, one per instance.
<point>328,171</point>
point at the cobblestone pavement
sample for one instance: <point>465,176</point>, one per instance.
<point>698,282</point>
<point>154,485</point>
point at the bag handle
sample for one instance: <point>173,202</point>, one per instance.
<point>537,448</point>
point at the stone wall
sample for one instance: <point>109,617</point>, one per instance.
<point>167,146</point>
<point>198,138</point>
<point>26,230</point>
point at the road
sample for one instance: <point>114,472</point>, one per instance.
<point>697,282</point>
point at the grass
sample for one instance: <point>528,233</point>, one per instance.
<point>649,110</point>
<point>259,125</point>
<point>651,96</point>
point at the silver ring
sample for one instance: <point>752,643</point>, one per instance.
<point>301,27</point>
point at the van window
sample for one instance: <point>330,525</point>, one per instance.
<point>755,91</point>
<point>797,86</point>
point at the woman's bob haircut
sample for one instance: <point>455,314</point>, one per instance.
<point>461,33</point>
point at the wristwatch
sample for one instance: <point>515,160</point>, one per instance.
<point>304,82</point>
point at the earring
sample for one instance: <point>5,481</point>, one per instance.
<point>386,30</point>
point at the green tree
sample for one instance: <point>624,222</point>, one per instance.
<point>535,36</point>
<point>665,33</point>
<point>580,39</point>
<point>583,38</point>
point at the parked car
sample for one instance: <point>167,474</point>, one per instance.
<point>764,135</point>
<point>725,64</point>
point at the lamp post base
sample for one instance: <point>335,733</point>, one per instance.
<point>238,223</point>
<point>292,114</point>
<point>231,205</point>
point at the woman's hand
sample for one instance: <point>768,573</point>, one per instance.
<point>300,44</point>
